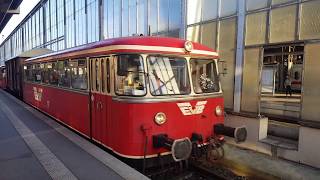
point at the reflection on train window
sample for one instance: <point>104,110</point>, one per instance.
<point>64,73</point>
<point>204,76</point>
<point>79,74</point>
<point>36,72</point>
<point>130,79</point>
<point>168,75</point>
<point>53,73</point>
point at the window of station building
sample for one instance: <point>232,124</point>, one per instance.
<point>194,11</point>
<point>53,73</point>
<point>228,7</point>
<point>276,2</point>
<point>125,18</point>
<point>283,24</point>
<point>209,9</point>
<point>193,33</point>
<point>168,75</point>
<point>79,77</point>
<point>256,4</point>
<point>310,20</point>
<point>163,16</point>
<point>130,75</point>
<point>256,27</point>
<point>116,18</point>
<point>208,34</point>
<point>93,20</point>
<point>132,17</point>
<point>153,17</point>
<point>64,73</point>
<point>175,18</point>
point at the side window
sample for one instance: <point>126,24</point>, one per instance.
<point>53,73</point>
<point>64,73</point>
<point>79,74</point>
<point>36,71</point>
<point>45,72</point>
<point>28,73</point>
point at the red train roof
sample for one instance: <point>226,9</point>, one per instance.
<point>137,43</point>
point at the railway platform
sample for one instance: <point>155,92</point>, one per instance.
<point>33,146</point>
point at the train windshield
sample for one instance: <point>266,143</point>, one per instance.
<point>130,76</point>
<point>204,76</point>
<point>168,75</point>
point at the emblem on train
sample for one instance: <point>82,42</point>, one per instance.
<point>187,109</point>
<point>37,93</point>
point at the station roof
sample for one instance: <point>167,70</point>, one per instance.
<point>7,9</point>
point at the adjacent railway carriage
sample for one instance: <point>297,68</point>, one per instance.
<point>141,97</point>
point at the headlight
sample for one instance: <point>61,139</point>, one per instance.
<point>219,111</point>
<point>160,118</point>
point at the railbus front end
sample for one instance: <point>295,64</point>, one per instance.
<point>140,97</point>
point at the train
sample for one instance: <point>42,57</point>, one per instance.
<point>141,98</point>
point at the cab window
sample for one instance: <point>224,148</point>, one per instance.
<point>204,75</point>
<point>130,76</point>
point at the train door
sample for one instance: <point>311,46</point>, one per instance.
<point>98,102</point>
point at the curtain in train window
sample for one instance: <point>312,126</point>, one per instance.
<point>283,24</point>
<point>310,20</point>
<point>168,75</point>
<point>256,28</point>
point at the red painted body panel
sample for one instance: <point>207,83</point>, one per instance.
<point>71,108</point>
<point>127,119</point>
<point>116,124</point>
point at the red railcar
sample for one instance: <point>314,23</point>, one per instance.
<point>141,97</point>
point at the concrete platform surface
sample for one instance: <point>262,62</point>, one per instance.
<point>34,146</point>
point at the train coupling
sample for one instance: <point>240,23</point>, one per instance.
<point>180,148</point>
<point>239,133</point>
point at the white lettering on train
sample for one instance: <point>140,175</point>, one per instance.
<point>187,109</point>
<point>37,93</point>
